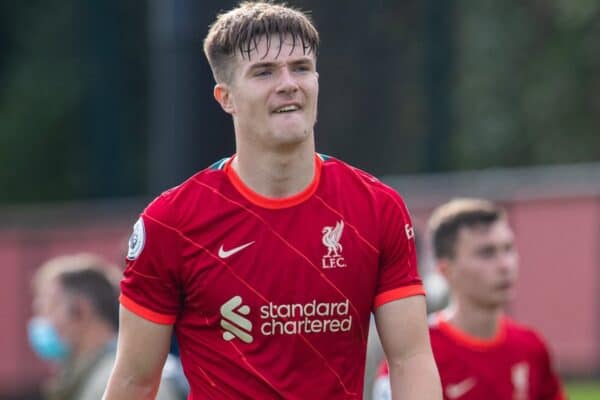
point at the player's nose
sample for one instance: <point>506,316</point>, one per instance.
<point>507,262</point>
<point>287,82</point>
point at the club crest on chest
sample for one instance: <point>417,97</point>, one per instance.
<point>331,240</point>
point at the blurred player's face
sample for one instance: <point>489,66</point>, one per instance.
<point>484,268</point>
<point>54,304</point>
<point>273,94</point>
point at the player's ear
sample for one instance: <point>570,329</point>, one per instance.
<point>222,94</point>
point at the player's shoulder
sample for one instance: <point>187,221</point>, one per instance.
<point>523,333</point>
<point>167,205</point>
<point>338,168</point>
<point>528,341</point>
<point>349,175</point>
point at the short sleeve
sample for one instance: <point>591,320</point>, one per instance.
<point>150,287</point>
<point>398,274</point>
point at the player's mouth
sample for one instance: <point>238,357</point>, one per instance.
<point>506,285</point>
<point>288,108</point>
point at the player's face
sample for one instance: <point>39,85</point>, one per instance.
<point>485,265</point>
<point>273,93</point>
<point>54,304</point>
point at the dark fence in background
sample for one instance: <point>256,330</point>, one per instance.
<point>111,98</point>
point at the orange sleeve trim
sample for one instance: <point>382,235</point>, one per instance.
<point>146,313</point>
<point>400,293</point>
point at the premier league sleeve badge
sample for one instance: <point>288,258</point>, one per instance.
<point>136,240</point>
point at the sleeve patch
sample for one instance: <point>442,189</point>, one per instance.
<point>136,240</point>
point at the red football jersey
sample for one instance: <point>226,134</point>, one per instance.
<point>514,365</point>
<point>271,298</point>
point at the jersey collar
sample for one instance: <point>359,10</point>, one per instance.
<point>270,202</point>
<point>468,340</point>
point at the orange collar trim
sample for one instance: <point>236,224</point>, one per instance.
<point>471,341</point>
<point>270,202</point>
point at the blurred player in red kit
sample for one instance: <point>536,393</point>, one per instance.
<point>268,264</point>
<point>481,354</point>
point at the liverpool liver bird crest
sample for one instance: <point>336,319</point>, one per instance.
<point>331,239</point>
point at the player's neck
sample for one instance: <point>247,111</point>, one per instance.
<point>482,323</point>
<point>276,174</point>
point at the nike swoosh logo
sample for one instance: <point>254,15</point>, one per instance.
<point>460,389</point>
<point>228,253</point>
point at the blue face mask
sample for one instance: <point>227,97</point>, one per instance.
<point>44,340</point>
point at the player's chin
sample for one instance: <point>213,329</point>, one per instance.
<point>504,296</point>
<point>293,136</point>
<point>495,298</point>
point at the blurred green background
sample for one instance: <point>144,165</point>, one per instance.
<point>113,98</point>
<point>583,390</point>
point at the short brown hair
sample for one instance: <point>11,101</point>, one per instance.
<point>239,30</point>
<point>85,275</point>
<point>447,220</point>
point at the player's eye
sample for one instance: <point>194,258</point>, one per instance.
<point>302,68</point>
<point>508,248</point>
<point>262,72</point>
<point>486,252</point>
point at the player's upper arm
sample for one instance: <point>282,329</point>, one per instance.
<point>141,350</point>
<point>402,327</point>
